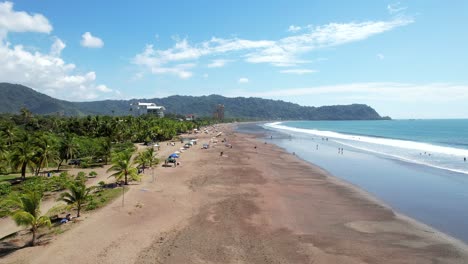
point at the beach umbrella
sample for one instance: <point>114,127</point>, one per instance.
<point>173,155</point>
<point>177,152</point>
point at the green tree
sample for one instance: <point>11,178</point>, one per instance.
<point>141,159</point>
<point>8,132</point>
<point>26,211</point>
<point>67,150</point>
<point>123,167</point>
<point>150,155</point>
<point>46,152</point>
<point>23,155</point>
<point>76,195</point>
<point>105,149</point>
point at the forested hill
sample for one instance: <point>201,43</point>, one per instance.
<point>13,97</point>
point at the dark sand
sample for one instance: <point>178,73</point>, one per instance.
<point>248,206</point>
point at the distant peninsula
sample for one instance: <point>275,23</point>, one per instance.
<point>13,97</point>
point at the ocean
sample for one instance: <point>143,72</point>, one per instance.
<point>416,167</point>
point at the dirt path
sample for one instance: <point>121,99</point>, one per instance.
<point>248,206</point>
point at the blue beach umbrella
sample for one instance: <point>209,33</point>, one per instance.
<point>173,155</point>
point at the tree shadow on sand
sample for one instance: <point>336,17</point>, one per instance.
<point>16,241</point>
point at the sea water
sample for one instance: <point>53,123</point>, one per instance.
<point>437,143</point>
<point>415,166</point>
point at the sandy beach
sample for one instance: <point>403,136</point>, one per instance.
<point>254,204</point>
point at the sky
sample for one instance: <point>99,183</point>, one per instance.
<point>406,59</point>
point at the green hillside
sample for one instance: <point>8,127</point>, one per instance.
<point>13,97</point>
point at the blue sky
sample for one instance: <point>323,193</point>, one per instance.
<point>407,59</point>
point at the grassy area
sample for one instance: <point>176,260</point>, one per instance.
<point>103,197</point>
<point>9,177</point>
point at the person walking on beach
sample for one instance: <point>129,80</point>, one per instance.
<point>464,159</point>
<point>317,146</point>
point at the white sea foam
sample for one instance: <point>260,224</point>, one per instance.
<point>404,144</point>
<point>403,158</point>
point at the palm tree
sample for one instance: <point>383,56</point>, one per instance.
<point>22,155</point>
<point>9,132</point>
<point>141,159</point>
<point>26,211</point>
<point>150,155</point>
<point>3,156</point>
<point>67,150</point>
<point>25,113</point>
<point>123,167</point>
<point>106,148</point>
<point>77,195</point>
<point>46,152</point>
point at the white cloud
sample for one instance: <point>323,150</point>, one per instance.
<point>180,70</point>
<point>90,41</point>
<point>57,47</point>
<point>217,63</point>
<point>103,88</point>
<point>381,91</point>
<point>14,21</point>
<point>285,52</point>
<point>293,28</point>
<point>46,72</point>
<point>298,71</point>
<point>395,8</point>
<point>380,56</point>
<point>243,80</point>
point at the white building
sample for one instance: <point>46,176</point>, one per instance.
<point>150,108</point>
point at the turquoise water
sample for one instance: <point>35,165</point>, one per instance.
<point>441,144</point>
<point>415,167</point>
<point>444,132</point>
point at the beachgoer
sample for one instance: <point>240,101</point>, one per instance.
<point>66,219</point>
<point>255,147</point>
<point>221,153</point>
<point>317,146</point>
<point>464,159</point>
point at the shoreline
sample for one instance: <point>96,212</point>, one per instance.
<point>249,205</point>
<point>432,196</point>
<point>367,195</point>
